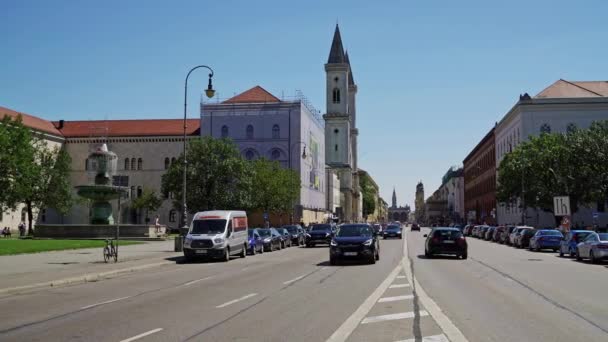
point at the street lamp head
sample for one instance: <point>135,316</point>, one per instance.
<point>210,91</point>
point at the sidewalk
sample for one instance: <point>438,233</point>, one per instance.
<point>72,265</point>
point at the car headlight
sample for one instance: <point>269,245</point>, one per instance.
<point>327,234</point>
<point>267,240</point>
<point>368,242</point>
<point>188,240</point>
<point>333,243</point>
<point>218,240</point>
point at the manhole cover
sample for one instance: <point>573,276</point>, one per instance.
<point>535,259</point>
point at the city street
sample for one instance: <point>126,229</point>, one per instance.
<point>498,294</point>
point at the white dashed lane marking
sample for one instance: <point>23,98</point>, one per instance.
<point>137,337</point>
<point>401,277</point>
<point>398,286</point>
<point>236,300</point>
<point>434,338</point>
<point>392,317</point>
<point>102,303</point>
<point>394,299</point>
<point>294,280</point>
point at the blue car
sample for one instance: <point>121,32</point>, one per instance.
<point>571,240</point>
<point>546,239</point>
<point>255,242</point>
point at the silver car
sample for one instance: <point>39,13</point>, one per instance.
<point>594,247</point>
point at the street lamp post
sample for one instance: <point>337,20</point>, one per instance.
<point>209,92</point>
<point>290,166</point>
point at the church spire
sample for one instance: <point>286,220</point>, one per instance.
<point>351,80</point>
<point>336,54</point>
<point>394,199</point>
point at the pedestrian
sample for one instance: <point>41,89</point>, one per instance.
<point>21,228</point>
<point>157,224</point>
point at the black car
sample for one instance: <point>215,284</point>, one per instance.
<point>286,237</point>
<point>392,230</point>
<point>297,234</point>
<point>319,233</point>
<point>271,239</point>
<point>445,241</point>
<point>415,226</point>
<point>354,241</point>
<point>523,240</point>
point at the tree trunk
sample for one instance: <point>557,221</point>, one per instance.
<point>30,217</point>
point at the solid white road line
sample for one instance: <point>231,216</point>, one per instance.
<point>392,317</point>
<point>136,337</point>
<point>451,331</point>
<point>196,281</point>
<point>102,303</point>
<point>236,300</point>
<point>294,280</point>
<point>394,299</point>
<point>352,322</point>
<point>434,338</point>
<point>398,286</point>
<point>401,277</point>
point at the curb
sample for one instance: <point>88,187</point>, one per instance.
<point>89,277</point>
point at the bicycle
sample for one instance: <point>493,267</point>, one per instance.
<point>110,251</point>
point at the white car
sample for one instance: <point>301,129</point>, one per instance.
<point>217,234</point>
<point>594,247</point>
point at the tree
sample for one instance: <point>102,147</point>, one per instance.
<point>218,178</point>
<point>369,195</point>
<point>32,173</point>
<point>273,188</point>
<point>148,201</point>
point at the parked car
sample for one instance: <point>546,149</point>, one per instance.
<point>497,232</point>
<point>489,233</point>
<point>319,233</point>
<point>286,242</point>
<point>504,236</point>
<point>594,247</point>
<point>354,241</point>
<point>271,239</point>
<point>217,234</point>
<point>392,231</point>
<point>571,240</point>
<point>514,233</point>
<point>255,243</point>
<point>297,234</point>
<point>522,240</point>
<point>474,230</point>
<point>467,230</point>
<point>415,226</point>
<point>443,240</point>
<point>545,239</point>
<point>481,232</point>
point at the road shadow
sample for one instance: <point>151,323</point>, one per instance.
<point>181,260</point>
<point>439,256</point>
<point>341,263</point>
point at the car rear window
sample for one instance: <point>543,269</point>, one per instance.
<point>550,232</point>
<point>447,234</point>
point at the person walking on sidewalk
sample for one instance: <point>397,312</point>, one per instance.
<point>157,224</point>
<point>21,228</point>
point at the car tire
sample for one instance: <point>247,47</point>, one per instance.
<point>377,255</point>
<point>578,255</point>
<point>372,260</point>
<point>333,261</point>
<point>308,245</point>
<point>226,257</point>
<point>401,237</point>
<point>253,251</point>
<point>561,254</point>
<point>244,252</point>
<point>262,250</point>
<point>271,249</point>
<point>592,258</point>
<point>464,256</point>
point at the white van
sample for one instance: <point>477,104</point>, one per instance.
<point>217,234</point>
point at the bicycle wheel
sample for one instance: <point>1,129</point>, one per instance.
<point>115,253</point>
<point>106,254</point>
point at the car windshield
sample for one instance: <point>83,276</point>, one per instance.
<point>550,232</point>
<point>582,235</point>
<point>393,228</point>
<point>264,232</point>
<point>321,227</point>
<point>354,230</point>
<point>603,236</point>
<point>208,226</point>
<point>292,229</point>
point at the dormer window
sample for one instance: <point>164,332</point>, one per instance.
<point>336,95</point>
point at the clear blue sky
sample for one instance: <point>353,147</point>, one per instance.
<point>433,76</point>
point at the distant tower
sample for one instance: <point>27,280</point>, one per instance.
<point>420,210</point>
<point>394,199</point>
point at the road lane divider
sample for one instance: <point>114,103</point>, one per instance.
<point>236,300</point>
<point>196,281</point>
<point>433,338</point>
<point>294,280</point>
<point>392,317</point>
<point>103,303</point>
<point>394,299</point>
<point>400,277</point>
<point>147,333</point>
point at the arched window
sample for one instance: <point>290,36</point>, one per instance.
<point>126,163</point>
<point>172,215</point>
<point>86,164</point>
<point>249,155</point>
<point>249,132</point>
<point>276,132</point>
<point>133,164</point>
<point>140,163</point>
<point>275,155</point>
<point>545,128</point>
<point>139,191</point>
<point>167,163</point>
<point>224,131</point>
<point>336,95</point>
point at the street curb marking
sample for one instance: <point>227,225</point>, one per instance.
<point>352,322</point>
<point>434,338</point>
<point>81,279</point>
<point>392,317</point>
<point>137,337</point>
<point>398,286</point>
<point>453,333</point>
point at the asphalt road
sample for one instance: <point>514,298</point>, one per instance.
<point>498,294</point>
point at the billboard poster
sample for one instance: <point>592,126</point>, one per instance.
<point>315,181</point>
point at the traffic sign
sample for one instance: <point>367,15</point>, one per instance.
<point>561,205</point>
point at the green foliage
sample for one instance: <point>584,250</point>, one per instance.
<point>22,246</point>
<point>369,195</point>
<point>218,178</point>
<point>273,188</point>
<point>148,201</point>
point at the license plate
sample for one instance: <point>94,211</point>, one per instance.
<point>201,251</point>
<point>448,241</point>
<point>350,253</point>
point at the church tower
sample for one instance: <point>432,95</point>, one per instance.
<point>340,130</point>
<point>394,199</point>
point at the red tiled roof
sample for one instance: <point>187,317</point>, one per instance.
<point>568,89</point>
<point>256,94</point>
<point>124,128</point>
<point>31,121</point>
